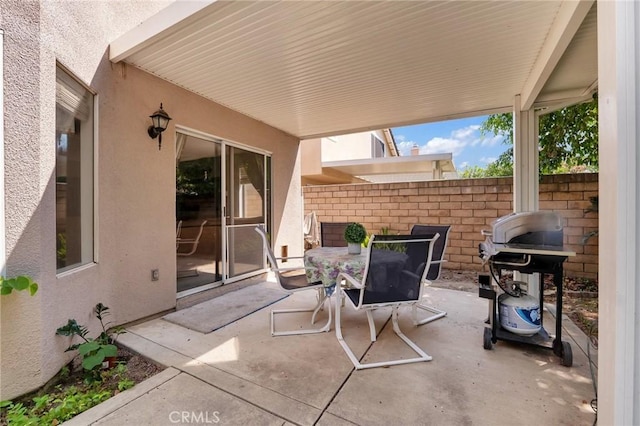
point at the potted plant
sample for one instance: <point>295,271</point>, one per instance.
<point>355,234</point>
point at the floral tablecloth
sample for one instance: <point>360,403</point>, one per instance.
<point>328,262</point>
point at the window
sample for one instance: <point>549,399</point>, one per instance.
<point>74,172</point>
<point>377,147</point>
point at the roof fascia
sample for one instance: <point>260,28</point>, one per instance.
<point>564,27</point>
<point>163,23</point>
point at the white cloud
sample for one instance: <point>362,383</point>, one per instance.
<point>465,132</point>
<point>442,145</point>
<point>455,144</point>
<point>460,139</point>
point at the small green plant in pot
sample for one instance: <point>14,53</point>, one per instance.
<point>94,351</point>
<point>355,234</point>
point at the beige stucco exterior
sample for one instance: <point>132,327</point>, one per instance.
<point>135,182</point>
<point>353,146</point>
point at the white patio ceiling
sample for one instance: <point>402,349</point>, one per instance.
<point>315,69</point>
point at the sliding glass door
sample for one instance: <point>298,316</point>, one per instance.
<point>222,192</point>
<point>247,198</point>
<point>198,212</point>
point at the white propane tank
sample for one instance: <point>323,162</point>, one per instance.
<point>519,315</point>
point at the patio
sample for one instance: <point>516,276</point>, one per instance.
<point>239,374</point>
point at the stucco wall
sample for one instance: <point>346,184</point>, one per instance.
<point>353,146</point>
<point>469,206</point>
<point>135,204</point>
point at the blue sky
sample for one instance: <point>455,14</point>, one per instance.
<point>460,137</point>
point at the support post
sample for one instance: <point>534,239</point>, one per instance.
<point>525,159</point>
<point>525,174</point>
<point>619,224</point>
<point>3,248</point>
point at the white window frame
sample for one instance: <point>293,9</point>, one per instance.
<point>89,249</point>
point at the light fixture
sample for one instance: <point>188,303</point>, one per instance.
<point>160,120</point>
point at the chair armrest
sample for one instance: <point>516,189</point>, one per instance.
<point>185,240</point>
<point>289,257</point>
<point>354,283</point>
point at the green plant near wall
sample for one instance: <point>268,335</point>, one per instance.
<point>399,247</point>
<point>19,283</point>
<point>593,208</point>
<point>94,351</point>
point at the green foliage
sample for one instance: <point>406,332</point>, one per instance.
<point>568,140</point>
<point>196,177</point>
<point>125,384</point>
<point>47,409</point>
<point>355,233</point>
<point>593,208</point>
<point>19,283</point>
<point>496,169</point>
<point>66,399</point>
<point>93,351</point>
<point>61,250</point>
<point>385,230</point>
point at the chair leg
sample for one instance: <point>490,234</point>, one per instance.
<point>323,329</point>
<point>422,356</point>
<point>437,314</point>
<point>345,347</point>
<point>321,296</point>
<point>396,327</point>
<point>372,325</point>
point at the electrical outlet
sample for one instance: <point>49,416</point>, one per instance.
<point>155,274</point>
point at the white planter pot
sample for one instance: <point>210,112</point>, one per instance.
<point>354,248</point>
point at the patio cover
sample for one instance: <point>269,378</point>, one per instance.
<point>315,69</point>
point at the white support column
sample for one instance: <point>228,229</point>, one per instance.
<point>525,173</point>
<point>3,246</point>
<point>619,225</point>
<point>525,159</point>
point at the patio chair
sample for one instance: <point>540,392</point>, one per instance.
<point>192,241</point>
<point>434,270</point>
<point>332,234</point>
<point>389,280</point>
<point>293,280</point>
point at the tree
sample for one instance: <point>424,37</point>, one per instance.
<point>568,139</point>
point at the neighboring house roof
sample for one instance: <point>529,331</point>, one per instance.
<point>396,169</point>
<point>353,159</point>
<point>391,143</point>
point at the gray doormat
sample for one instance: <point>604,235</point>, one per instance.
<point>213,314</point>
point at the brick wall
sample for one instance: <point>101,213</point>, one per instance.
<point>469,205</point>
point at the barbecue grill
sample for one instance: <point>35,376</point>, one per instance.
<point>527,242</point>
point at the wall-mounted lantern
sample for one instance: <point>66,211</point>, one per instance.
<point>160,120</point>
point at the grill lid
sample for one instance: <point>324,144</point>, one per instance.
<point>541,227</point>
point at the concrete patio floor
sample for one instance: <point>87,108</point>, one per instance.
<point>241,375</point>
